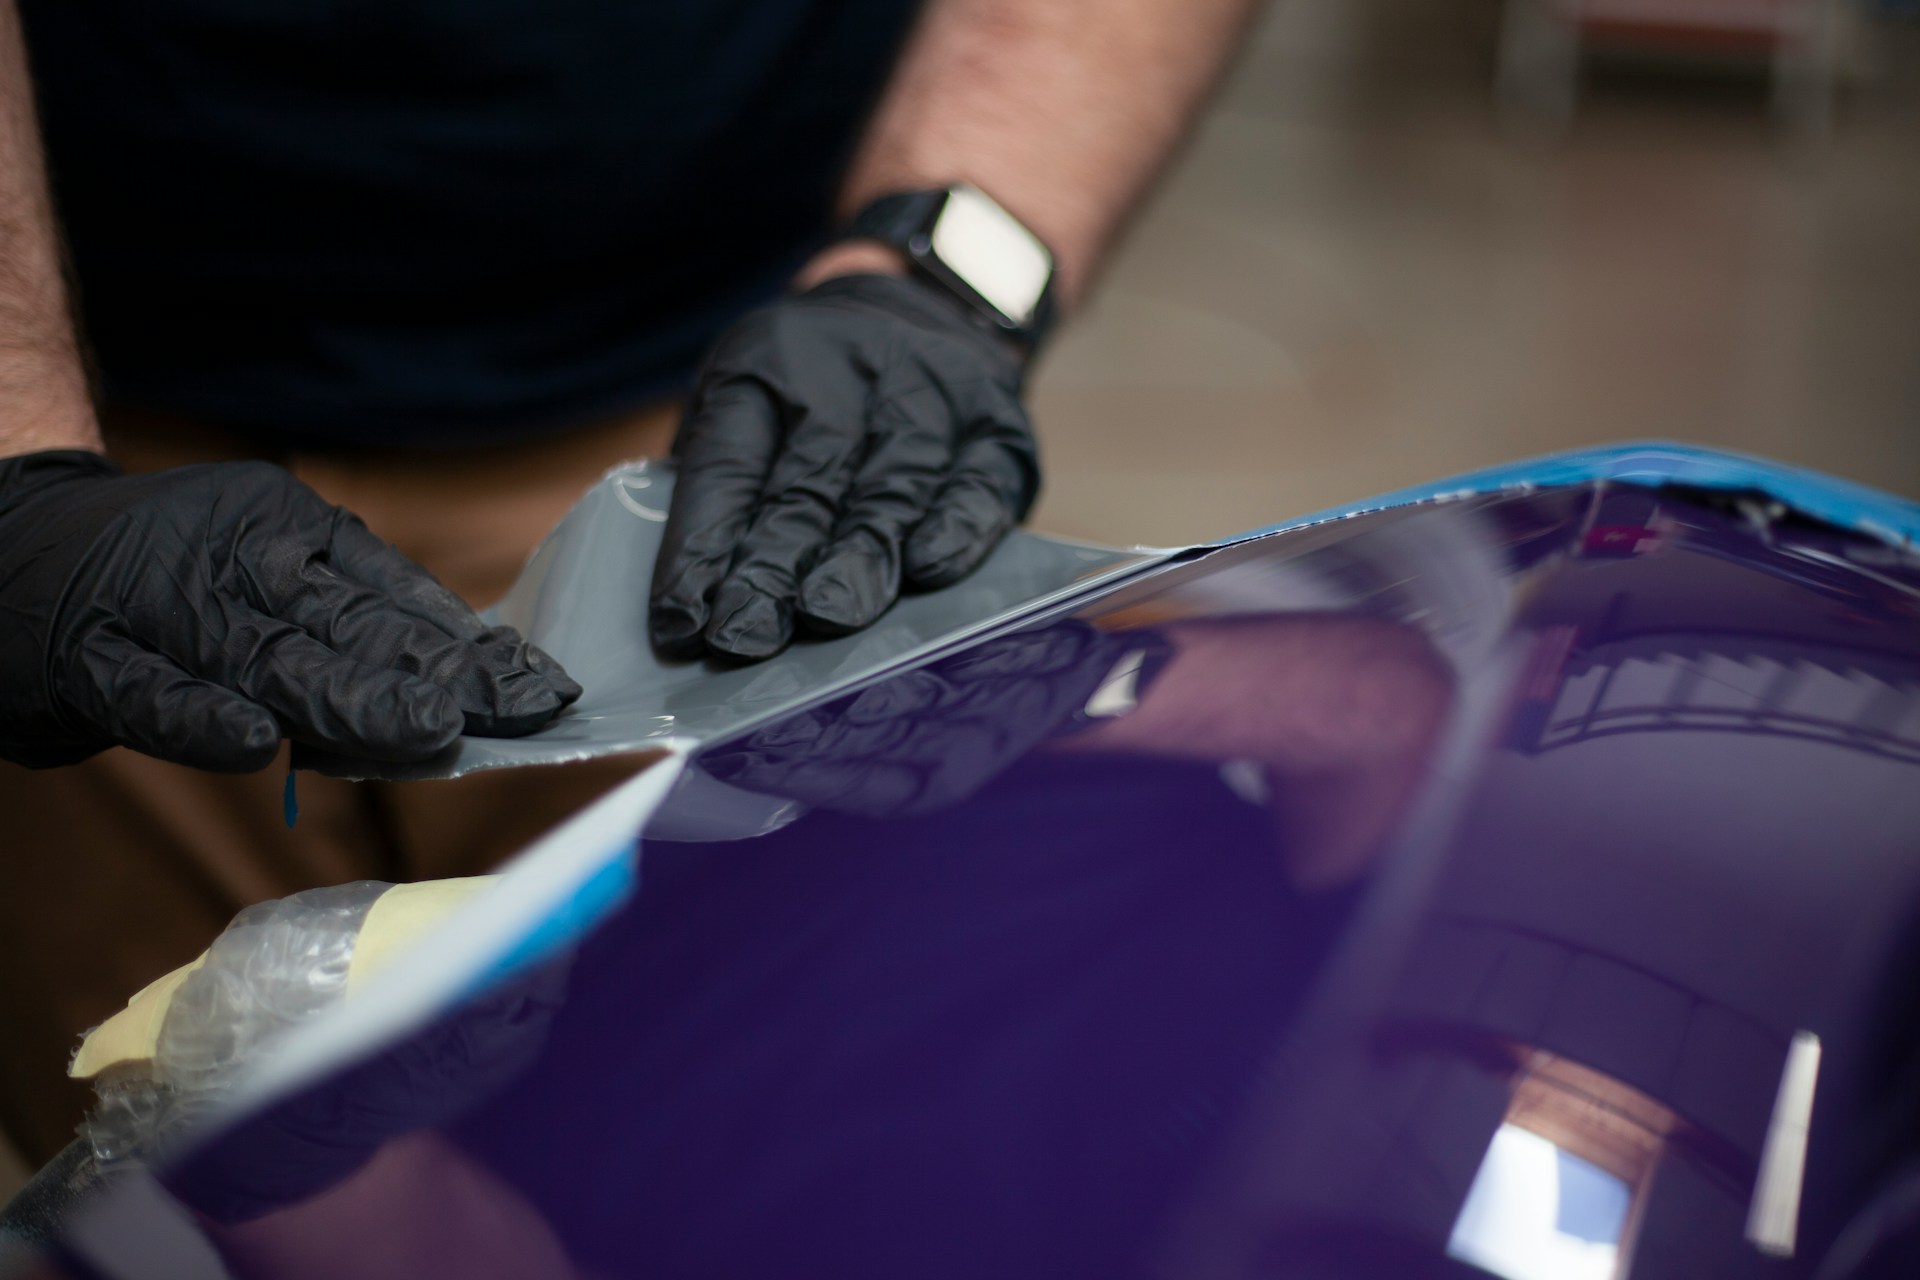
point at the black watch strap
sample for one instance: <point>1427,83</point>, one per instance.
<point>895,219</point>
<point>905,220</point>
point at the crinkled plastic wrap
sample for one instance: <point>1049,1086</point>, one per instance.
<point>277,964</point>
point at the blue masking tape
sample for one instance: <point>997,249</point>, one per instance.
<point>1655,462</point>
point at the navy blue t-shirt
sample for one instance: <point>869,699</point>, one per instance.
<point>431,221</point>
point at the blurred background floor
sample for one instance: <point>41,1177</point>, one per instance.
<point>1356,279</point>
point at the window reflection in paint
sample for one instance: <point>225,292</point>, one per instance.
<point>1538,1212</point>
<point>1563,1185</point>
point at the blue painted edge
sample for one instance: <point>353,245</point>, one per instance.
<point>1652,462</point>
<point>611,882</point>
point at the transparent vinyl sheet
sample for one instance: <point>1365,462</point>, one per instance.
<point>583,596</point>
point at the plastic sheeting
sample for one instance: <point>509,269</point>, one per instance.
<point>583,597</point>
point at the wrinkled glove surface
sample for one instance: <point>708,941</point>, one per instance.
<point>200,614</point>
<point>840,443</point>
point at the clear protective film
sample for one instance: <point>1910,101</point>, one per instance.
<point>583,596</point>
<point>1512,877</point>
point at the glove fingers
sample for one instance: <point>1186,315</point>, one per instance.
<point>855,581</point>
<point>327,700</point>
<point>494,675</point>
<point>493,691</point>
<point>989,491</point>
<point>156,708</point>
<point>753,608</point>
<point>726,449</point>
<point>858,576</point>
<point>510,686</point>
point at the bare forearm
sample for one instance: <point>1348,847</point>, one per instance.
<point>43,387</point>
<point>1062,110</point>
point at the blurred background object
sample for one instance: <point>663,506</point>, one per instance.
<point>1372,268</point>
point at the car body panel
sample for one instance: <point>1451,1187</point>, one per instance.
<point>1516,877</point>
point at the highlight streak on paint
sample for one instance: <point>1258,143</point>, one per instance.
<point>1773,1220</point>
<point>1118,692</point>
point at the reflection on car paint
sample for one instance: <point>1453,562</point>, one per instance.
<point>1450,890</point>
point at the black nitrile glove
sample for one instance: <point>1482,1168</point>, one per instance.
<point>839,441</point>
<point>199,614</point>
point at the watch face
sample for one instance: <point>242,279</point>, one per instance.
<point>988,250</point>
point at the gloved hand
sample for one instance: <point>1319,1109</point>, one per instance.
<point>201,613</point>
<point>839,442</point>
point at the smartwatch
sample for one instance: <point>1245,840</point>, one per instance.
<point>960,240</point>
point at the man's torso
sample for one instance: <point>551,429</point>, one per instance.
<point>415,221</point>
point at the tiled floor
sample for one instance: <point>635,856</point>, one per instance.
<point>1356,280</point>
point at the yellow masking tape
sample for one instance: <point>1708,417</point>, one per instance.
<point>401,916</point>
<point>132,1034</point>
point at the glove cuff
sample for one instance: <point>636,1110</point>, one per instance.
<point>32,731</point>
<point>918,302</point>
<point>28,473</point>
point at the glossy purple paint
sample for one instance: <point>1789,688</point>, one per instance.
<point>1212,928</point>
